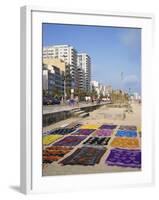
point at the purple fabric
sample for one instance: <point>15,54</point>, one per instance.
<point>124,158</point>
<point>104,132</point>
<point>108,126</point>
<point>83,132</point>
<point>69,141</point>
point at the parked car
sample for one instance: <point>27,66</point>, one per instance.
<point>50,100</point>
<point>55,101</point>
<point>46,100</point>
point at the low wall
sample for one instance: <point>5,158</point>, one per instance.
<point>51,118</point>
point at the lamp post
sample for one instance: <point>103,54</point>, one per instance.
<point>65,95</point>
<point>122,74</point>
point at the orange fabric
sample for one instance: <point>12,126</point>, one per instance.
<point>125,143</point>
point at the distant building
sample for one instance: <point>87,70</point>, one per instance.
<point>101,89</point>
<point>95,85</point>
<point>84,63</point>
<point>108,89</point>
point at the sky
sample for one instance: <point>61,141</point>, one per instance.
<point>115,51</point>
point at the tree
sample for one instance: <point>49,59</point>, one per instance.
<point>45,92</point>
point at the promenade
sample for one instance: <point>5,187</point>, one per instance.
<point>63,107</point>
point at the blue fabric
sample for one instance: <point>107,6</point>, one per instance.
<point>126,133</point>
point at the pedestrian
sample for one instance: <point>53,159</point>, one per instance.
<point>86,99</point>
<point>77,101</point>
<point>92,100</point>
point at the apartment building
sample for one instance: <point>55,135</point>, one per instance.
<point>81,79</point>
<point>84,63</point>
<point>66,53</point>
<point>54,81</point>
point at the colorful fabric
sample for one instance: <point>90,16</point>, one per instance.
<point>84,156</point>
<point>51,154</point>
<point>125,142</point>
<point>47,132</point>
<point>62,131</point>
<point>127,127</point>
<point>97,141</point>
<point>124,158</point>
<point>48,139</point>
<point>129,133</point>
<point>69,141</point>
<point>73,125</point>
<point>139,131</point>
<point>103,132</point>
<point>90,126</point>
<point>108,126</point>
<point>83,132</point>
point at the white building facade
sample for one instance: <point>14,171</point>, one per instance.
<point>84,63</point>
<point>66,53</point>
<point>104,90</point>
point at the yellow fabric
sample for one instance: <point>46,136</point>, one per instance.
<point>139,130</point>
<point>48,139</point>
<point>125,143</point>
<point>90,126</point>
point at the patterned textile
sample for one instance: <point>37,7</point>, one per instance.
<point>108,126</point>
<point>47,132</point>
<point>62,131</point>
<point>89,126</point>
<point>103,132</point>
<point>83,132</point>
<point>69,141</point>
<point>73,125</point>
<point>97,141</point>
<point>84,156</point>
<point>139,131</point>
<point>127,127</point>
<point>48,139</point>
<point>125,142</point>
<point>51,154</point>
<point>124,158</point>
<point>122,133</point>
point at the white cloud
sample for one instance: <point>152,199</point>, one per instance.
<point>130,38</point>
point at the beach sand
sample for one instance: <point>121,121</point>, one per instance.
<point>103,115</point>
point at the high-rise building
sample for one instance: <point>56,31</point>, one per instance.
<point>81,79</point>
<point>84,63</point>
<point>66,53</point>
